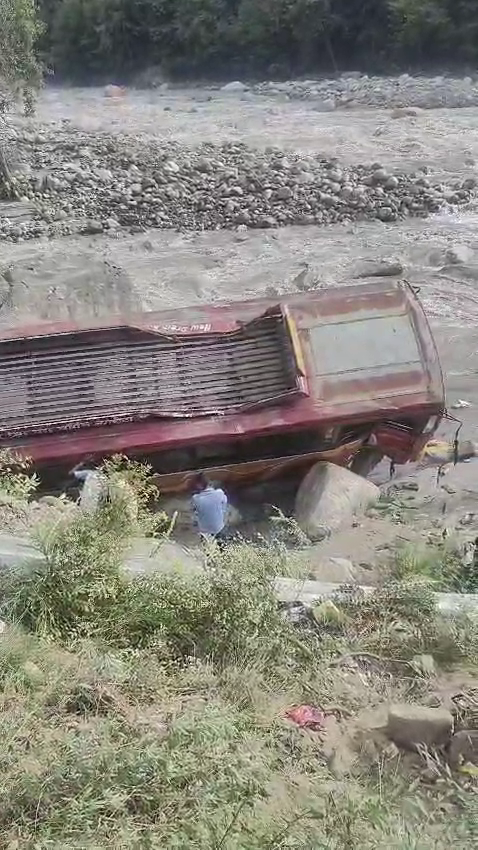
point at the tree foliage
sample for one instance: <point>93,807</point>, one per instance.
<point>113,38</point>
<point>116,37</point>
<point>20,72</point>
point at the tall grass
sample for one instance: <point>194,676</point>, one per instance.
<point>150,711</point>
<point>115,750</point>
<point>442,566</point>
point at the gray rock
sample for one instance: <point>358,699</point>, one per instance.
<point>162,556</point>
<point>461,404</point>
<point>330,497</point>
<point>458,255</point>
<point>411,725</point>
<point>92,226</point>
<point>379,175</point>
<point>242,232</point>
<point>380,270</point>
<point>391,182</point>
<point>386,214</point>
<point>411,486</point>
<point>105,175</point>
<point>404,112</point>
<point>172,167</point>
<point>204,165</point>
<point>424,665</point>
<point>54,502</point>
<point>266,221</point>
<point>235,86</point>
<point>327,105</point>
<point>284,193</point>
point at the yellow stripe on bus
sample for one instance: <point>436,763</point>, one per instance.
<point>296,346</point>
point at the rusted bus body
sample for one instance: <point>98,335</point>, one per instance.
<point>247,390</point>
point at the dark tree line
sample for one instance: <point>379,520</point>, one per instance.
<point>98,38</point>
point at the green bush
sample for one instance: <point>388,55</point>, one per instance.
<point>70,592</point>
<point>16,479</point>
<point>66,595</point>
<point>225,614</point>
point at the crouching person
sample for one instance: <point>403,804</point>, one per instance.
<point>210,508</point>
<point>93,486</point>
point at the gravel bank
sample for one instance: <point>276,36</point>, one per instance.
<point>404,91</point>
<point>88,183</point>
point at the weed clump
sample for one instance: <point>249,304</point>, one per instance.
<point>228,612</point>
<point>442,566</point>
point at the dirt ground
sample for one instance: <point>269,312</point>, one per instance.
<point>161,269</point>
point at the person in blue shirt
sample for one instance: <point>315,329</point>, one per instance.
<point>210,505</point>
<point>92,483</point>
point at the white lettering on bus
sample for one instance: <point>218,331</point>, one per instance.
<point>184,329</point>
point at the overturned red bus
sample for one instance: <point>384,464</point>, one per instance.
<point>244,390</point>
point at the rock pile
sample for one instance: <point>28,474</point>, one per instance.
<point>91,183</point>
<point>357,89</point>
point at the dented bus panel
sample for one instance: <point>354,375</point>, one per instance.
<point>245,389</point>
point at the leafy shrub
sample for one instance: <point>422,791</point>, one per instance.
<point>133,498</point>
<point>15,477</point>
<point>68,594</point>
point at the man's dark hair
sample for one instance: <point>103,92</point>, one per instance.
<point>201,482</point>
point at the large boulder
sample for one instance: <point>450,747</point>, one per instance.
<point>330,497</point>
<point>412,725</point>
